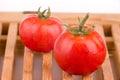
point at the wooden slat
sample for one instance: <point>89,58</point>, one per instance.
<point>8,63</point>
<point>66,17</point>
<point>0,29</point>
<point>28,64</point>
<point>108,39</point>
<point>67,76</point>
<point>4,37</point>
<point>1,58</point>
<point>106,66</point>
<point>47,66</point>
<point>88,77</point>
<point>9,53</point>
<point>116,36</point>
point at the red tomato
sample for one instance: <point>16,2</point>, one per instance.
<point>79,54</point>
<point>39,34</point>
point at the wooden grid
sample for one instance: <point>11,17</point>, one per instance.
<point>19,63</point>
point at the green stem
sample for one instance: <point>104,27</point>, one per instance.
<point>71,28</point>
<point>48,13</point>
<point>29,12</point>
<point>42,15</point>
<point>81,25</point>
<point>80,30</point>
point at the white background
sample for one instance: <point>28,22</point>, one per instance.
<point>93,6</point>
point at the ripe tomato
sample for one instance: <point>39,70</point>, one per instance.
<point>39,33</point>
<point>79,53</point>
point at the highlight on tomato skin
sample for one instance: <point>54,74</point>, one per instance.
<point>38,31</point>
<point>80,51</point>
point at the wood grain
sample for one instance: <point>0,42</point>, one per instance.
<point>106,66</point>
<point>65,17</point>
<point>9,53</point>
<point>1,59</point>
<point>67,76</point>
<point>47,66</point>
<point>87,77</point>
<point>116,37</point>
<point>28,64</point>
<point>10,20</point>
<point>0,28</point>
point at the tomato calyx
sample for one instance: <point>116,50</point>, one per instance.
<point>41,15</point>
<point>81,29</point>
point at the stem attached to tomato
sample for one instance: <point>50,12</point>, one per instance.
<point>42,15</point>
<point>81,24</point>
<point>80,30</point>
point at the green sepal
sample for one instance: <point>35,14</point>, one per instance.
<point>80,30</point>
<point>81,24</point>
<point>42,15</point>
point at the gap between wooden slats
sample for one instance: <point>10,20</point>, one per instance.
<point>56,70</point>
<point>98,75</point>
<point>28,64</point>
<point>47,66</point>
<point>9,53</point>
<point>116,35</point>
<point>106,66</point>
<point>37,66</point>
<point>76,77</point>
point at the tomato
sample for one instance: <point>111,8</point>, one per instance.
<point>80,53</point>
<point>40,33</point>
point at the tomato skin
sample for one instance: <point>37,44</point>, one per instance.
<point>39,34</point>
<point>79,55</point>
